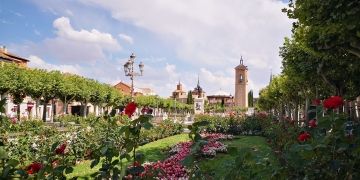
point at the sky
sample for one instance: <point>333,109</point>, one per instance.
<point>176,40</point>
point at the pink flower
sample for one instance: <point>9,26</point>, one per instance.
<point>312,123</point>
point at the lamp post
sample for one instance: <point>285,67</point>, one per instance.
<point>129,71</point>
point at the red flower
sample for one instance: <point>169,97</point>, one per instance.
<point>333,102</point>
<point>304,136</point>
<point>130,109</point>
<point>61,150</point>
<point>136,163</point>
<point>34,168</point>
<point>312,123</point>
<point>316,102</point>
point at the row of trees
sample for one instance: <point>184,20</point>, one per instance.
<point>166,104</point>
<point>44,86</point>
<point>321,58</point>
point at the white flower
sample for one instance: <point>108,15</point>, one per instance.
<point>34,146</point>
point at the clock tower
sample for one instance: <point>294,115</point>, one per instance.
<point>241,80</point>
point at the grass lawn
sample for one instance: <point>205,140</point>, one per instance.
<point>153,151</point>
<point>218,167</point>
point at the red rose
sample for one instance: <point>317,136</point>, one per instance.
<point>304,136</point>
<point>316,102</point>
<point>312,123</point>
<point>130,109</point>
<point>61,150</point>
<point>333,102</point>
<point>34,168</point>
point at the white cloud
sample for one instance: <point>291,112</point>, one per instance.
<point>72,46</point>
<point>66,31</point>
<point>208,36</point>
<point>211,32</point>
<point>37,62</point>
<point>126,38</point>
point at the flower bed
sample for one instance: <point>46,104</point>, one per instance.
<point>170,168</point>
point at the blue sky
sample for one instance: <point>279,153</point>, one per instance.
<point>176,40</point>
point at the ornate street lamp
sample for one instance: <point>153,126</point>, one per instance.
<point>129,71</point>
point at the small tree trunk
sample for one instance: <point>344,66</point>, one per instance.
<point>18,111</point>
<point>37,101</point>
<point>95,112</point>
<point>53,110</point>
<point>84,109</point>
<point>65,106</point>
<point>44,110</point>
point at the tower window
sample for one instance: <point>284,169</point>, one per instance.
<point>241,78</point>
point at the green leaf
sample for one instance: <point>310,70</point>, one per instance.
<point>3,154</point>
<point>129,146</point>
<point>116,173</point>
<point>54,146</point>
<point>147,125</point>
<point>188,161</point>
<point>197,137</point>
<point>13,162</point>
<point>201,123</point>
<point>115,162</point>
<point>104,150</point>
<point>140,157</point>
<point>59,169</point>
<point>127,156</point>
<point>94,163</point>
<point>69,170</point>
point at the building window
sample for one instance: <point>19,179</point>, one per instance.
<point>241,78</point>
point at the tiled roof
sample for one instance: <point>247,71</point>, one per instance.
<point>11,57</point>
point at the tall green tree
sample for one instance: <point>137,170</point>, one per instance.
<point>190,99</point>
<point>331,25</point>
<point>51,83</point>
<point>251,98</point>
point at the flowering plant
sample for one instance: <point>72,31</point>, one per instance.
<point>130,109</point>
<point>303,136</point>
<point>333,102</point>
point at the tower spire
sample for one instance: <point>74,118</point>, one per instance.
<point>271,76</point>
<point>241,60</point>
<point>198,83</point>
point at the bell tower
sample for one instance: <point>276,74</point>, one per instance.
<point>241,80</point>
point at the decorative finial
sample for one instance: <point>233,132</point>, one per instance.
<point>241,60</point>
